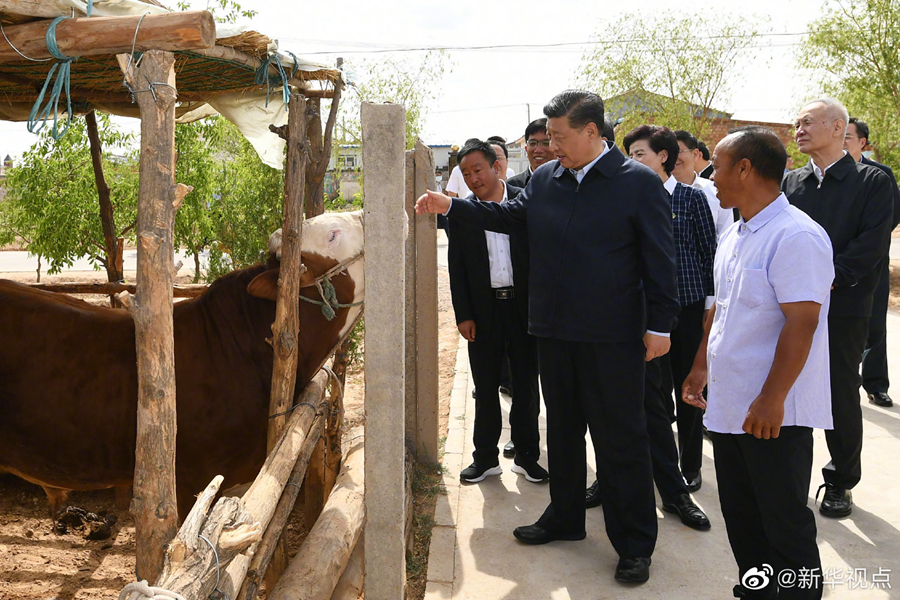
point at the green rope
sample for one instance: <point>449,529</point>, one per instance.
<point>40,112</point>
<point>329,300</point>
<point>262,76</point>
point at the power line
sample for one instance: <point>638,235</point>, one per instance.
<point>381,49</point>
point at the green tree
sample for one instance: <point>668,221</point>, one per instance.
<point>51,201</point>
<point>247,205</point>
<point>854,48</point>
<point>671,69</point>
<point>414,83</point>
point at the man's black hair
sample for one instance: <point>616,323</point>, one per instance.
<point>704,151</point>
<point>579,106</point>
<point>496,139</point>
<point>609,130</point>
<point>659,138</point>
<point>476,145</point>
<point>687,138</point>
<point>762,147</point>
<point>862,128</point>
<point>536,126</point>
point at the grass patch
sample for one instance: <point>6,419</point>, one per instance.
<point>426,487</point>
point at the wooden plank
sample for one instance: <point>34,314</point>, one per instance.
<point>154,505</point>
<point>427,399</point>
<point>190,290</point>
<point>111,35</point>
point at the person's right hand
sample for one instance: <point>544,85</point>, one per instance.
<point>432,202</point>
<point>467,330</point>
<point>692,390</point>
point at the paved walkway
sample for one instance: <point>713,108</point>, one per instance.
<point>474,555</point>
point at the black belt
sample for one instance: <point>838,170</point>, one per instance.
<point>504,293</point>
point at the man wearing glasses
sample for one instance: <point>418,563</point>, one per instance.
<point>853,202</point>
<point>875,367</point>
<point>537,147</point>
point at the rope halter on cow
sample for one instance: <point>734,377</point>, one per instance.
<point>148,592</point>
<point>329,302</point>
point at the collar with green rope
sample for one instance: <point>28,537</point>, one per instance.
<point>329,302</point>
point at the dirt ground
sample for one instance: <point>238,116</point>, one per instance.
<point>38,564</point>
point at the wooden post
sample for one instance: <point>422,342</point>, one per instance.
<point>384,141</point>
<point>111,35</point>
<point>284,371</point>
<point>427,400</point>
<point>154,506</point>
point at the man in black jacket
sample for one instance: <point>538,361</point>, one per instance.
<point>875,365</point>
<point>537,148</point>
<point>489,286</point>
<point>853,203</point>
<point>600,240</point>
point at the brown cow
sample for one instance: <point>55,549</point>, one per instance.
<point>68,374</point>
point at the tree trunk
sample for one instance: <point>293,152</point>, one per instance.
<point>39,268</point>
<point>107,219</point>
<point>320,151</point>
<point>196,266</point>
<point>154,505</point>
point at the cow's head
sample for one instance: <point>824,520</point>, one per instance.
<point>326,241</point>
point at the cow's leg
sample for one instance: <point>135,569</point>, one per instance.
<point>123,497</point>
<point>57,498</point>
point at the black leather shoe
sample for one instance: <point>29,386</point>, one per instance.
<point>535,534</point>
<point>881,399</point>
<point>506,389</point>
<point>633,570</point>
<point>836,503</point>
<point>769,593</point>
<point>689,513</point>
<point>694,483</point>
<point>592,497</point>
<point>509,450</point>
<point>473,393</point>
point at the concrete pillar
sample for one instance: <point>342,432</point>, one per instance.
<point>384,133</point>
<point>412,425</point>
<point>427,412</point>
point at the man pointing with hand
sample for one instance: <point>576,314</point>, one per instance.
<point>600,239</point>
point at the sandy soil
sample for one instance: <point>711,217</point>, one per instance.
<point>37,564</point>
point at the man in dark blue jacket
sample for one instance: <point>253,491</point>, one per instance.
<point>600,240</point>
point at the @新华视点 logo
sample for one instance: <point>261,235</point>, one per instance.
<point>757,579</point>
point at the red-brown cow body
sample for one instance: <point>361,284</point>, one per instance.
<point>68,373</point>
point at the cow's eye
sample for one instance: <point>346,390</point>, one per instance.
<point>333,235</point>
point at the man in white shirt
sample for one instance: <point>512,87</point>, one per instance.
<point>764,356</point>
<point>489,288</point>
<point>685,172</point>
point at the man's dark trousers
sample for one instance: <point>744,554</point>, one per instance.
<point>686,339</point>
<point>663,452</point>
<point>598,386</point>
<point>508,335</point>
<point>846,342</point>
<point>875,363</point>
<point>763,490</point>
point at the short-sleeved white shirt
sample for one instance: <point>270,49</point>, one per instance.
<point>779,256</point>
<point>457,184</point>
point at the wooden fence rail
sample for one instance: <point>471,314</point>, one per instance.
<point>191,290</point>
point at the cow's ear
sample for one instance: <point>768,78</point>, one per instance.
<point>265,285</point>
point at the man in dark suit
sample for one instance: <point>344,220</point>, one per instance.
<point>537,148</point>
<point>875,366</point>
<point>703,166</point>
<point>853,202</point>
<point>489,286</point>
<point>602,300</point>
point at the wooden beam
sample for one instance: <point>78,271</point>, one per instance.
<point>253,63</point>
<point>191,290</point>
<point>154,506</point>
<point>111,35</point>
